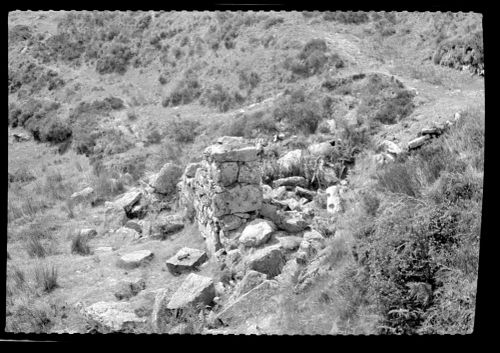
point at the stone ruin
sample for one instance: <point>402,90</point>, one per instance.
<point>224,190</point>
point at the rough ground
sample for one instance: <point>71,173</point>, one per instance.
<point>84,280</point>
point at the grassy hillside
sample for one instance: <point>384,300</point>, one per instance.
<point>109,97</point>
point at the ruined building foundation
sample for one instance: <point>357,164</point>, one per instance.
<point>224,190</point>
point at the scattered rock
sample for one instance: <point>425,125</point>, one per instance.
<point>124,235</point>
<point>182,329</point>
<point>334,201</point>
<point>194,290</point>
<point>166,180</point>
<point>290,243</point>
<point>308,194</point>
<point>128,200</point>
<point>322,149</point>
<point>114,316</point>
<point>231,222</point>
<point>292,222</point>
<point>133,225</point>
<point>21,137</point>
<point>135,259</point>
<point>257,232</point>
<point>290,181</point>
<point>128,289</point>
<point>269,260</point>
<point>82,194</point>
<point>191,168</point>
<point>186,260</point>
<point>419,141</point>
<point>390,147</point>
<point>114,217</point>
<point>251,280</point>
<point>103,250</point>
<point>244,307</point>
<point>431,131</point>
<point>290,160</point>
<point>166,225</point>
<point>88,233</point>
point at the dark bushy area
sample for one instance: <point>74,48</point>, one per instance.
<point>300,111</point>
<point>420,252</point>
<point>462,51</point>
<point>186,91</point>
<point>385,100</point>
<point>312,59</point>
<point>250,125</point>
<point>33,78</point>
<point>116,59</point>
<point>221,98</point>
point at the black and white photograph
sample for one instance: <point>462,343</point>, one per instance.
<point>244,172</point>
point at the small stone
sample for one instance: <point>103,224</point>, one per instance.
<point>103,250</point>
<point>290,181</point>
<point>82,195</point>
<point>186,259</point>
<point>292,222</point>
<point>133,225</point>
<point>308,194</point>
<point>419,141</point>
<point>290,243</point>
<point>135,259</point>
<point>88,233</point>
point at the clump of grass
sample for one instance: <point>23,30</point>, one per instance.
<point>35,248</point>
<point>46,277</point>
<point>79,245</point>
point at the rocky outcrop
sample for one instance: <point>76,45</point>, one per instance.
<point>224,189</point>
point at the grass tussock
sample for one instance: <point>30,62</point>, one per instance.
<point>46,277</point>
<point>79,245</point>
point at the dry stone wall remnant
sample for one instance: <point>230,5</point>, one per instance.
<point>224,190</point>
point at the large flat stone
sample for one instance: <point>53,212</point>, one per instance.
<point>128,200</point>
<point>114,316</point>
<point>225,153</point>
<point>186,260</point>
<point>290,181</point>
<point>135,259</point>
<point>194,290</point>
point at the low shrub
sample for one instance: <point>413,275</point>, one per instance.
<point>186,91</point>
<point>220,98</point>
<point>116,59</point>
<point>184,131</point>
